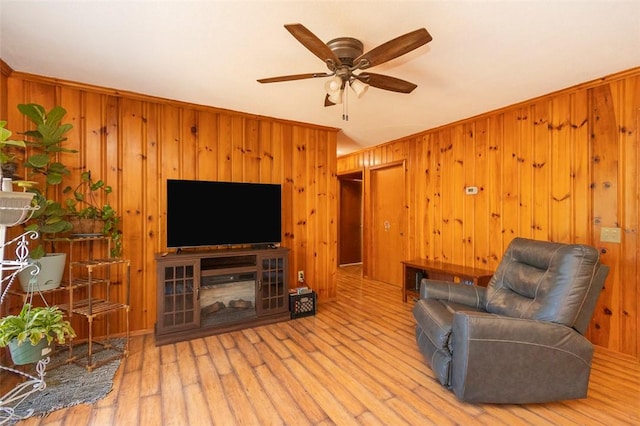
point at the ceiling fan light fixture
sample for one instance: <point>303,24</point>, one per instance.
<point>333,85</point>
<point>336,97</point>
<point>358,87</point>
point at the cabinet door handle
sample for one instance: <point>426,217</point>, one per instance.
<point>259,285</point>
<point>198,293</point>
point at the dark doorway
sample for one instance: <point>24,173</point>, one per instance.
<point>350,219</point>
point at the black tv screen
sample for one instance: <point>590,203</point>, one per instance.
<point>214,213</point>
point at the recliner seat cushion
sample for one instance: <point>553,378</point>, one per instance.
<point>433,333</point>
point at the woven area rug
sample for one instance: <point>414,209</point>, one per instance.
<point>71,384</point>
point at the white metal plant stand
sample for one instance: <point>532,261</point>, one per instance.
<point>15,208</point>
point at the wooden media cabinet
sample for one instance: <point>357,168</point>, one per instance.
<point>211,292</point>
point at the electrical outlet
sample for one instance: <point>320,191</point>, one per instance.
<point>471,190</point>
<point>610,235</point>
<point>301,276</point>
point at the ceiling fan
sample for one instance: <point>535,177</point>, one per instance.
<point>344,56</point>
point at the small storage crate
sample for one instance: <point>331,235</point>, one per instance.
<point>302,305</point>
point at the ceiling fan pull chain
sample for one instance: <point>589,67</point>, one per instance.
<point>345,107</point>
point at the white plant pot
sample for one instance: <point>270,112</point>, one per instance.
<point>15,207</point>
<point>50,276</point>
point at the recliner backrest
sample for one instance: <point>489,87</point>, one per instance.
<point>543,280</point>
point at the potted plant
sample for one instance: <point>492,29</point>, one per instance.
<point>30,334</point>
<point>91,217</point>
<point>8,156</point>
<point>15,206</point>
<point>45,142</point>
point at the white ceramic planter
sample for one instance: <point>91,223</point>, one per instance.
<point>51,270</point>
<point>14,207</point>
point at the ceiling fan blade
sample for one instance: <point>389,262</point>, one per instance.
<point>313,43</point>
<point>393,48</point>
<point>386,83</point>
<point>293,77</point>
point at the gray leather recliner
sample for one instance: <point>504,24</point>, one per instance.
<point>520,339</point>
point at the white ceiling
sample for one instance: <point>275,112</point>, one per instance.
<point>484,54</point>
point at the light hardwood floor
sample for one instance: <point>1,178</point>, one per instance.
<point>354,363</point>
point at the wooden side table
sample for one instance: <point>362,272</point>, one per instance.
<point>417,269</point>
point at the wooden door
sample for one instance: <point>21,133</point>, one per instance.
<point>388,223</point>
<point>350,221</point>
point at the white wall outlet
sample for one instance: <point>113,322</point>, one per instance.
<point>471,190</point>
<point>301,276</point>
<point>610,235</point>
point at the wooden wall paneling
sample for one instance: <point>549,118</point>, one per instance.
<point>462,158</point>
<point>627,104</point>
<point>299,200</point>
<point>426,197</point>
<point>237,148</point>
<point>582,201</point>
<point>170,142</point>
<point>283,133</point>
<point>320,222</point>
<point>472,175</point>
<point>5,71</point>
<point>366,218</point>
<point>251,151</point>
<point>541,171</point>
<point>526,185</point>
<point>630,258</point>
<point>130,161</point>
<point>436,222</point>
<point>413,206</point>
<point>310,217</point>
<point>497,157</point>
<point>72,101</point>
<point>560,170</point>
<point>154,207</point>
<point>511,197</point>
<point>447,190</point>
<point>188,140</point>
<point>40,93</point>
<point>330,174</point>
<point>605,211</point>
<point>479,222</point>
<point>207,157</point>
<point>225,148</point>
<point>112,139</point>
<point>94,144</point>
<point>327,206</point>
<point>265,156</point>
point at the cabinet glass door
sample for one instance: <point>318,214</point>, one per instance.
<point>179,307</point>
<point>273,297</point>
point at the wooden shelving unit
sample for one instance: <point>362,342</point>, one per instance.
<point>417,269</point>
<point>91,278</point>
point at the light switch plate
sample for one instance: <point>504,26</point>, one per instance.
<point>610,235</point>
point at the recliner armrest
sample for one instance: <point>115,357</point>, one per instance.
<point>504,359</point>
<point>470,295</point>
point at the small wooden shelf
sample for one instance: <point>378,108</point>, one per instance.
<point>417,269</point>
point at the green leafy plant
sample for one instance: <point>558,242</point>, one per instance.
<point>85,204</point>
<point>7,156</point>
<point>35,323</point>
<point>45,141</point>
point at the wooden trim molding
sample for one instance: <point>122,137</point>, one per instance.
<point>5,69</point>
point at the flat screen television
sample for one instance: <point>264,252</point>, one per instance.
<point>215,213</point>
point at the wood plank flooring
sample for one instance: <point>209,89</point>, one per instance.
<point>354,363</point>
